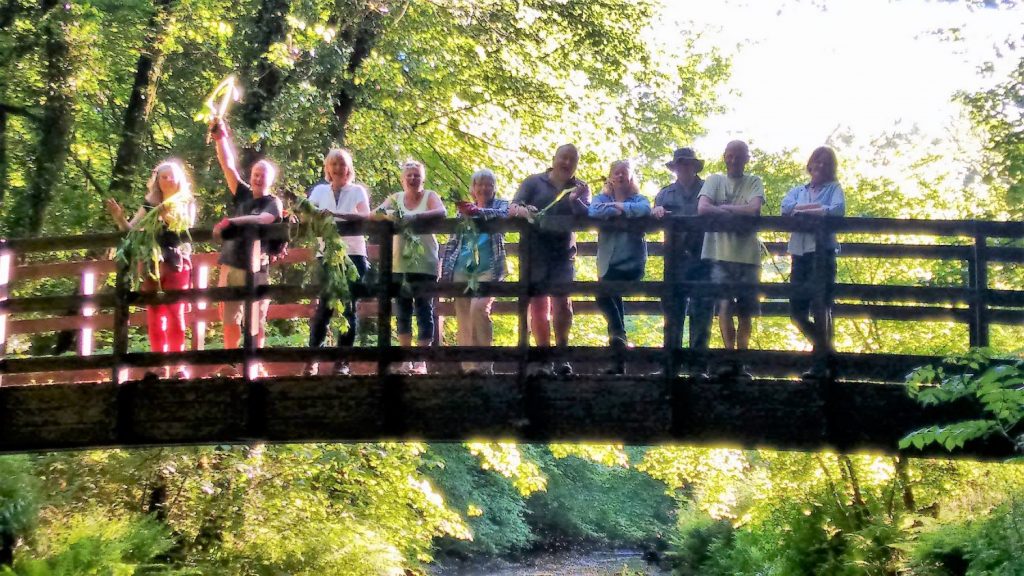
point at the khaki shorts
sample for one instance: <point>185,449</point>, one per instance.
<point>234,311</point>
<point>727,272</point>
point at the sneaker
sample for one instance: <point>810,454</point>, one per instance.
<point>229,371</point>
<point>419,367</point>
<point>726,371</point>
<point>402,368</point>
<point>563,369</point>
<point>180,375</point>
<point>816,374</point>
<point>311,369</point>
<point>541,370</point>
<point>341,368</point>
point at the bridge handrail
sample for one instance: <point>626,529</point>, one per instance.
<point>989,228</point>
<point>981,300</point>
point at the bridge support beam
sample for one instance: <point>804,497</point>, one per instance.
<point>781,414</point>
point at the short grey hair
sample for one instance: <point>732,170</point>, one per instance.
<point>482,174</point>
<point>411,164</point>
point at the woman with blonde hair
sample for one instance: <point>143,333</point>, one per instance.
<point>414,263</point>
<point>621,254</point>
<point>169,191</point>
<point>343,199</point>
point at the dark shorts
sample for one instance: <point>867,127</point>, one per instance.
<point>746,299</point>
<point>545,267</point>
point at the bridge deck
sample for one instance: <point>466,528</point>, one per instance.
<point>44,403</point>
<point>781,414</point>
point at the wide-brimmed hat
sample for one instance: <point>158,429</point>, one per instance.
<point>685,155</point>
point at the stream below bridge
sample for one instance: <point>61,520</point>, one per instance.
<point>562,563</point>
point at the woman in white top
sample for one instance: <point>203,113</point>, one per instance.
<point>411,264</point>
<point>343,199</point>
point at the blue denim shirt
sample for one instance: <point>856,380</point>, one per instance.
<point>620,249</point>
<point>496,209</point>
<point>831,199</point>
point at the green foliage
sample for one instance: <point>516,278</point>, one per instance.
<point>139,252</point>
<point>698,542</point>
<point>591,502</point>
<point>492,506</point>
<point>996,113</point>
<point>338,269</point>
<point>989,545</point>
<point>323,509</point>
<point>994,383</point>
<point>507,459</point>
<point>19,497</point>
<point>93,544</point>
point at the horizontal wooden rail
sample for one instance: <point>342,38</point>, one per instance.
<point>966,228</point>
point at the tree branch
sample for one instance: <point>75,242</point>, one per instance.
<point>88,174</point>
<point>21,111</point>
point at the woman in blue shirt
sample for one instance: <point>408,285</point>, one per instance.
<point>822,196</point>
<point>480,255</point>
<point>621,254</point>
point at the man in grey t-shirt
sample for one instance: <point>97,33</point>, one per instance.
<point>552,252</point>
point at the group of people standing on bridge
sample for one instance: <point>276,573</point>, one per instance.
<point>718,257</point>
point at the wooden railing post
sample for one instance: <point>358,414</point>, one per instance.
<point>6,274</point>
<point>524,295</point>
<point>85,337</point>
<point>672,296</point>
<point>119,373</point>
<point>251,318</point>
<point>385,245</point>
<point>821,302</point>
<point>200,281</point>
<point>978,282</point>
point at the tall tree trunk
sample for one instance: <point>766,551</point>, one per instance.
<point>902,465</point>
<point>264,80</point>
<point>6,548</point>
<point>3,154</point>
<point>363,37</point>
<point>55,124</point>
<point>140,104</point>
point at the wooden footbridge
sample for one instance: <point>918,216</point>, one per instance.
<point>102,396</point>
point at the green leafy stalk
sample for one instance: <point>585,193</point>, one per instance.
<point>997,385</point>
<point>339,271</point>
<point>139,252</point>
<point>470,232</point>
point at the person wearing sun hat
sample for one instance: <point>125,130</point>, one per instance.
<point>679,199</point>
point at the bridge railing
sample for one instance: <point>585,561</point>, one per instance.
<point>976,302</point>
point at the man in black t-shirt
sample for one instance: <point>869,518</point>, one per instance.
<point>251,204</point>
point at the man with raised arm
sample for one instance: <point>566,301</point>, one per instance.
<point>553,250</point>
<point>676,200</point>
<point>252,203</point>
<point>734,256</point>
